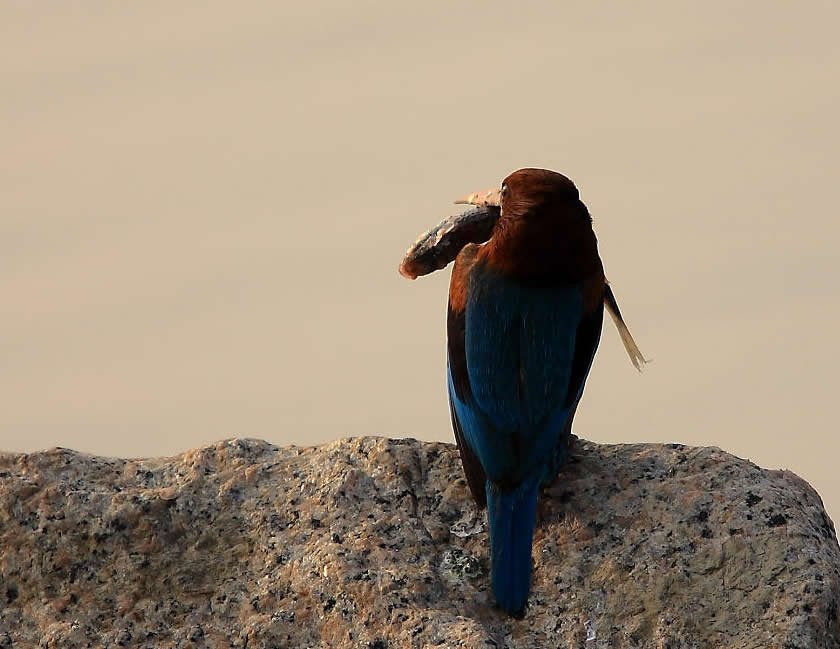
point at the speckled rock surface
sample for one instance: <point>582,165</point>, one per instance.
<point>374,543</point>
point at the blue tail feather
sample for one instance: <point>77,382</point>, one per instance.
<point>511,514</point>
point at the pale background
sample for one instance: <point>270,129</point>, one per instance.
<point>203,206</point>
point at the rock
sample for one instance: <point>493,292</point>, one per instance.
<point>374,543</point>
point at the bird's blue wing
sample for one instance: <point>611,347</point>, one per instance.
<point>457,379</point>
<point>586,343</point>
<point>519,346</point>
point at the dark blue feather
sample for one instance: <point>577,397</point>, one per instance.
<point>519,344</point>
<point>511,514</point>
<point>519,349</point>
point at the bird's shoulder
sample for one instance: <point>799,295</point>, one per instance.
<point>460,281</point>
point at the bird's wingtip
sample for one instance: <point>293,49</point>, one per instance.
<point>636,357</point>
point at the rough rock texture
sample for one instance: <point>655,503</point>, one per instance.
<point>374,543</point>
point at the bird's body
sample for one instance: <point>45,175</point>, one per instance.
<point>524,321</point>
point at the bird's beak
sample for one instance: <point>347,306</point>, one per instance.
<point>487,197</point>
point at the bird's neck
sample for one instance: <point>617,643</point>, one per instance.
<point>539,252</point>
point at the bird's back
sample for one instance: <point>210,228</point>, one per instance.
<point>519,343</point>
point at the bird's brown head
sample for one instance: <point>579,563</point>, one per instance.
<point>533,192</point>
<point>544,228</point>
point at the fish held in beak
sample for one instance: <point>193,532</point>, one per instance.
<point>436,248</point>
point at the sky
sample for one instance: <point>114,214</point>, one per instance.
<point>203,206</point>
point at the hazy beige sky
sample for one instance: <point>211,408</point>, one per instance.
<point>204,205</point>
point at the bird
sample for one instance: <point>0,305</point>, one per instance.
<point>524,320</point>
